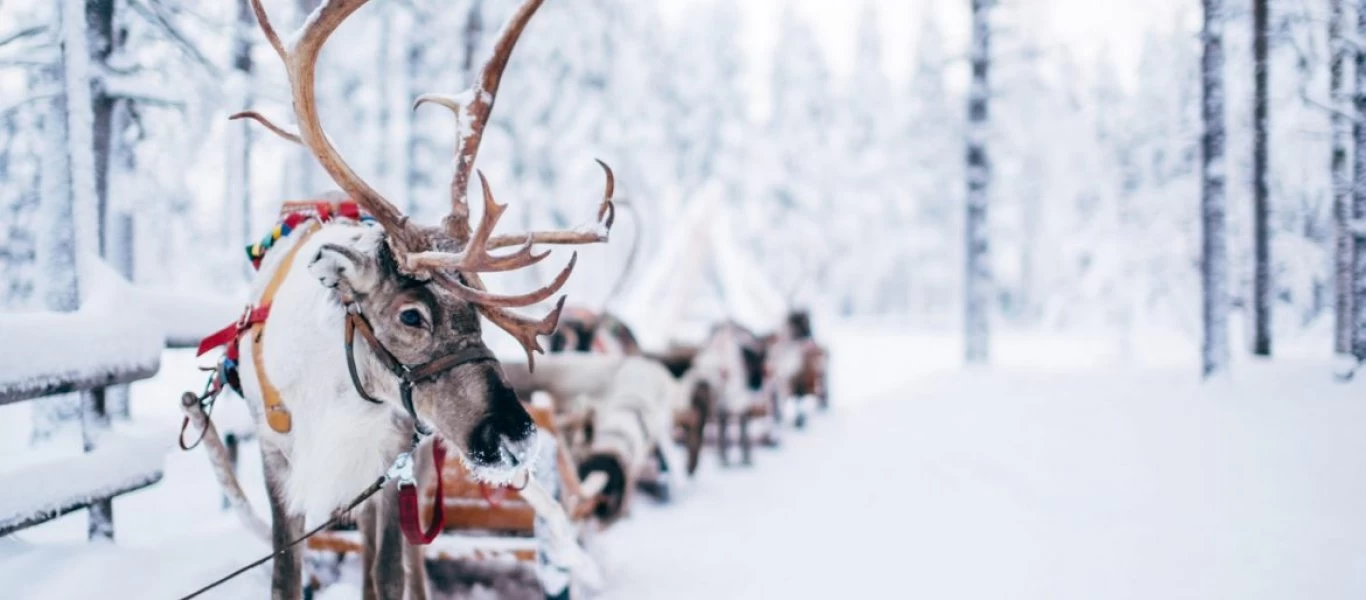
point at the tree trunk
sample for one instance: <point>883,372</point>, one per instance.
<point>69,206</point>
<point>100,27</point>
<point>416,180</point>
<point>1213,264</point>
<point>237,209</point>
<point>1342,184</point>
<point>977,278</point>
<point>384,108</point>
<point>1358,226</point>
<point>1261,249</point>
<point>309,178</point>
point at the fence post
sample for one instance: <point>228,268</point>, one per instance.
<point>94,424</point>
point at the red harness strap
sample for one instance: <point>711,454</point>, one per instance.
<point>408,518</point>
<point>230,334</point>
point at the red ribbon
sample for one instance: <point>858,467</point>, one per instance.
<point>409,519</point>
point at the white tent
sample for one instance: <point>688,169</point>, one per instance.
<point>699,277</point>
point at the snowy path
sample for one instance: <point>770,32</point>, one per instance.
<point>1012,485</point>
<point>1029,481</point>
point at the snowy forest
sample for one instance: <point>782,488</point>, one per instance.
<point>847,187</point>
<point>1033,236</point>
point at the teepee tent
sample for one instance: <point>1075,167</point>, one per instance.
<point>700,277</point>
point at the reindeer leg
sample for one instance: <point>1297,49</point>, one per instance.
<point>745,443</point>
<point>368,523</point>
<point>287,579</point>
<point>775,398</point>
<point>383,561</point>
<point>415,571</point>
<point>702,402</point>
<point>414,558</point>
<point>722,439</point>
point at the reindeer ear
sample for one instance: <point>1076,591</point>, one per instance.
<point>346,270</point>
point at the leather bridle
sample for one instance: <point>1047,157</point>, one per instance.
<point>409,376</point>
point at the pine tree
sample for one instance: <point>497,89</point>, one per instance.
<point>1214,259</point>
<point>977,280</point>
<point>932,128</point>
<point>1358,225</point>
<point>1342,183</point>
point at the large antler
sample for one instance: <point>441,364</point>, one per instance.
<point>427,250</point>
<point>300,63</point>
<point>472,109</point>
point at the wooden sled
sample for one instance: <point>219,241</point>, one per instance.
<point>486,524</point>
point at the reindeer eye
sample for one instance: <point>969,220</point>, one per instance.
<point>410,317</point>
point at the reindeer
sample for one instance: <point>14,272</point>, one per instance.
<point>584,330</point>
<point>730,366</point>
<point>797,366</point>
<point>334,411</point>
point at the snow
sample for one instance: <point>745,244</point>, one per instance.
<point>1060,472</point>
<point>117,465</point>
<point>111,335</point>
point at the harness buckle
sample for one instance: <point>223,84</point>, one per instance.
<point>244,321</point>
<point>402,470</point>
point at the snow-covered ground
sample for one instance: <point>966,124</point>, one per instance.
<point>1059,473</point>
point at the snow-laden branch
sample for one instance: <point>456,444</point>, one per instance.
<point>154,13</point>
<point>40,94</point>
<point>1329,108</point>
<point>138,88</point>
<point>26,32</point>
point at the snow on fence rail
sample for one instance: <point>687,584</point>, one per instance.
<point>46,491</point>
<point>112,339</point>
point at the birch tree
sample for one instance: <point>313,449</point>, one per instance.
<point>1261,278</point>
<point>977,279</point>
<point>1213,261</point>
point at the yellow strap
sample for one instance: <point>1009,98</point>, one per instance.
<point>277,416</point>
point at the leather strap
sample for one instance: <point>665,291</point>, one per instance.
<point>409,519</point>
<point>277,415</point>
<point>408,376</point>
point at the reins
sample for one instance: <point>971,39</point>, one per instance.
<point>403,461</point>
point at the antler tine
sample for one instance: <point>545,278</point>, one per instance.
<point>269,31</point>
<point>607,214</point>
<point>478,108</point>
<point>477,294</point>
<point>301,63</point>
<point>475,257</point>
<point>268,124</point>
<point>524,330</point>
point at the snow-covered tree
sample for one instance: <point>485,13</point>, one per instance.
<point>1342,183</point>
<point>1358,224</point>
<point>931,129</point>
<point>1214,256</point>
<point>977,279</point>
<point>799,184</point>
<point>1262,283</point>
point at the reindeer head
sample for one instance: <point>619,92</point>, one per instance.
<point>415,290</point>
